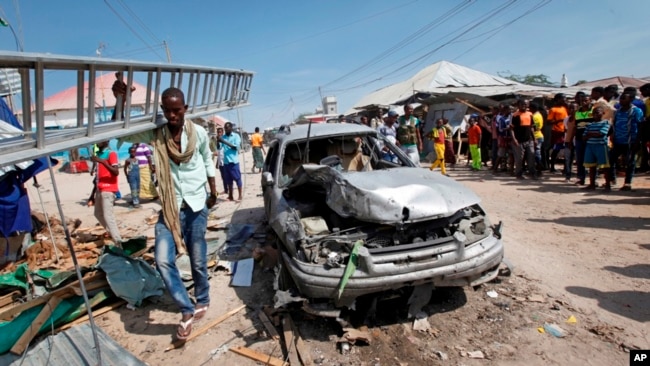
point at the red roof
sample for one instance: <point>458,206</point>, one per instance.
<point>621,81</point>
<point>218,120</point>
<point>67,99</point>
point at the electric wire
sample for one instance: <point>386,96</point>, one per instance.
<point>326,31</point>
<point>139,21</point>
<point>538,6</point>
<point>131,29</point>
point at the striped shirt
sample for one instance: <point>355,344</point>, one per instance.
<point>143,154</point>
<point>600,126</point>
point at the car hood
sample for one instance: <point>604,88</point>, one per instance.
<point>398,195</point>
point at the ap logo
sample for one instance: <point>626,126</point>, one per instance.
<point>639,357</point>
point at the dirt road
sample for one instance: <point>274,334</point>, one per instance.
<point>577,255</point>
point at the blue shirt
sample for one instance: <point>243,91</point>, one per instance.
<point>626,125</point>
<point>600,126</point>
<point>503,122</point>
<point>231,155</point>
<point>636,102</point>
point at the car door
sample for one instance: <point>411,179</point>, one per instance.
<point>269,170</point>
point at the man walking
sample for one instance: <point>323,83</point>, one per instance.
<point>231,145</point>
<point>184,166</point>
<point>408,134</point>
<point>257,142</point>
<point>107,172</point>
<point>626,139</point>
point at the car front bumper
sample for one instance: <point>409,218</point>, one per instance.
<point>445,265</point>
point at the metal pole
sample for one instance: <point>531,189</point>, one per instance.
<point>82,286</point>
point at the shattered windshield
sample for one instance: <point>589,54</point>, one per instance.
<point>346,153</point>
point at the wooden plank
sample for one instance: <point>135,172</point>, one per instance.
<point>303,351</point>
<point>290,341</point>
<point>196,333</point>
<point>9,298</point>
<point>273,333</point>
<point>36,325</point>
<point>470,105</point>
<point>259,357</point>
<point>93,282</point>
<point>85,318</point>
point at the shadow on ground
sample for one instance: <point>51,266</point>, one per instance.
<point>621,223</point>
<point>634,271</point>
<point>630,304</point>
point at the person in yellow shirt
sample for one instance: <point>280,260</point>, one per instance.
<point>257,142</point>
<point>538,135</point>
<point>438,137</point>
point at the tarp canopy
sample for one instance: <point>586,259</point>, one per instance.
<point>443,77</point>
<point>67,99</point>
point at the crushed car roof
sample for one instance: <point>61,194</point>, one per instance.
<point>299,132</point>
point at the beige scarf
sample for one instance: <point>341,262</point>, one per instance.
<point>166,152</point>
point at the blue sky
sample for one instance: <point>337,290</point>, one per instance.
<point>347,48</point>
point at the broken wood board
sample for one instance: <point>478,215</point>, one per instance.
<point>290,341</point>
<point>270,328</point>
<point>303,351</point>
<point>29,334</point>
<point>259,357</point>
<point>9,298</point>
<point>215,225</point>
<point>207,327</point>
<point>93,281</point>
<point>86,317</point>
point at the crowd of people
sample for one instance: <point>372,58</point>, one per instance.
<point>527,139</point>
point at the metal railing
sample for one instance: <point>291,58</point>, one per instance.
<point>207,91</point>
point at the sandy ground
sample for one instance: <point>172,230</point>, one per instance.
<point>576,253</point>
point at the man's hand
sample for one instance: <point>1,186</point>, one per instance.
<point>95,159</point>
<point>211,201</point>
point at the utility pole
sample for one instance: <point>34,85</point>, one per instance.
<point>169,55</point>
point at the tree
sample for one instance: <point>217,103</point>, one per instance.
<point>530,79</point>
<point>580,82</point>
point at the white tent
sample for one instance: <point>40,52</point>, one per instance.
<point>443,77</point>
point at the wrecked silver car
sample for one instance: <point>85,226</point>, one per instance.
<point>354,216</point>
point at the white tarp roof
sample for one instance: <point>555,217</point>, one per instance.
<point>443,77</point>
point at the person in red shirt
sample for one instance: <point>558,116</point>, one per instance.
<point>107,173</point>
<point>474,140</point>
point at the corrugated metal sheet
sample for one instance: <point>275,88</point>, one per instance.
<point>74,347</point>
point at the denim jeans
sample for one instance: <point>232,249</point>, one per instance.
<point>538,150</point>
<point>629,159</point>
<point>580,148</point>
<point>193,227</point>
<point>134,183</point>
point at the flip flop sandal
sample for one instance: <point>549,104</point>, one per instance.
<point>199,312</point>
<point>184,329</point>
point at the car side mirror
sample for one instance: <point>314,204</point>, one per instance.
<point>267,179</point>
